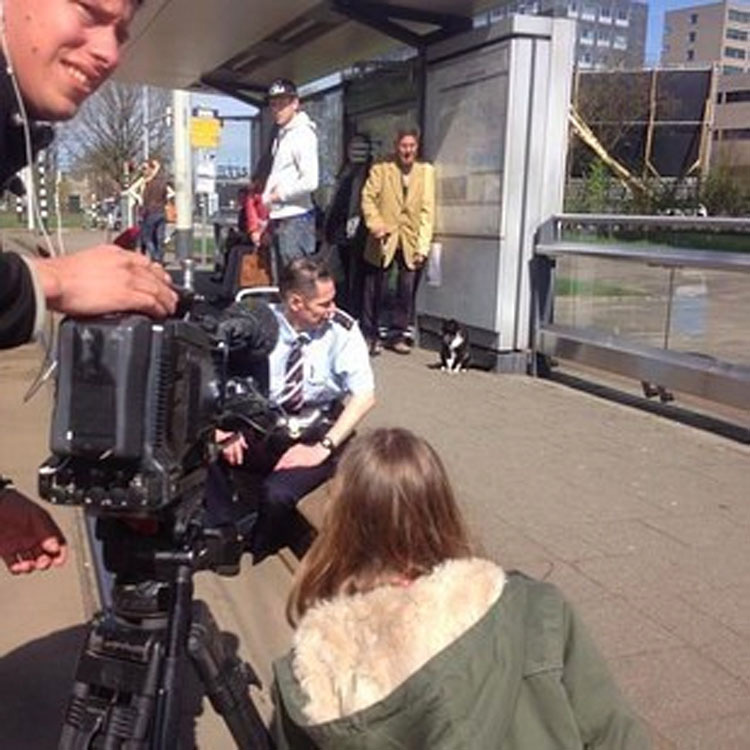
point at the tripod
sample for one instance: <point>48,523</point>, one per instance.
<point>127,687</point>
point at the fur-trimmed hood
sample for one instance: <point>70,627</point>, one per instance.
<point>353,651</point>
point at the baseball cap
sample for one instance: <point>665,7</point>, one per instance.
<point>282,87</point>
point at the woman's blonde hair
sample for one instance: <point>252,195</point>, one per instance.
<point>391,512</point>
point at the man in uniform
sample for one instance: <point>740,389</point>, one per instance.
<point>320,364</point>
<point>293,176</point>
<point>398,205</point>
<point>55,53</point>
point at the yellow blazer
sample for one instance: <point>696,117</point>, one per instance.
<point>409,220</point>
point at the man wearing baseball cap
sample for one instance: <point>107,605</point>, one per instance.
<point>293,176</point>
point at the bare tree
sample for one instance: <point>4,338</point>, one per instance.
<point>110,130</point>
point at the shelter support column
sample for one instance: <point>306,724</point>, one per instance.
<point>183,174</point>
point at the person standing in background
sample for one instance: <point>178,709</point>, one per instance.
<point>292,178</point>
<point>344,229</point>
<point>154,221</point>
<point>398,205</point>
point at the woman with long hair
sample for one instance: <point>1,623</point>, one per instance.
<point>405,639</point>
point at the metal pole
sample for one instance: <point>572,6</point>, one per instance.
<point>204,223</point>
<point>30,197</point>
<point>670,302</point>
<point>183,174</point>
<point>145,124</point>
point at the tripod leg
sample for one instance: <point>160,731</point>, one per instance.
<point>113,700</point>
<point>226,680</point>
<point>168,712</point>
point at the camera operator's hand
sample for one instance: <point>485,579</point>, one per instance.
<point>301,455</point>
<point>29,538</point>
<point>105,279</point>
<point>234,452</point>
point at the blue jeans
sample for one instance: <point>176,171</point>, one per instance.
<point>292,238</point>
<point>153,229</point>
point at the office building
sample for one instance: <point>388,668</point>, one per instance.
<point>611,33</point>
<point>716,33</point>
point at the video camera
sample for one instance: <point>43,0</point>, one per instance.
<point>138,401</point>
<point>137,405</point>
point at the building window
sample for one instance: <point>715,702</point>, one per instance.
<point>605,14</point>
<point>731,69</point>
<point>738,15</point>
<point>736,53</point>
<point>587,36</point>
<point>602,38</point>
<point>588,12</point>
<point>693,18</point>
<point>738,34</point>
<point>735,97</point>
<point>690,55</point>
<point>621,42</point>
<point>736,134</point>
<point>691,36</point>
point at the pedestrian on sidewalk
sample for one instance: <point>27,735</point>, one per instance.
<point>154,217</point>
<point>406,639</point>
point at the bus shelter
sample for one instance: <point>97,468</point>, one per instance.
<point>492,101</point>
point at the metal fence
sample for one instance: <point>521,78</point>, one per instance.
<point>664,300</point>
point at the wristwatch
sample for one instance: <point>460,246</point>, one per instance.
<point>328,444</point>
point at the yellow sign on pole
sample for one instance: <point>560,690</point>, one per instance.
<point>204,132</point>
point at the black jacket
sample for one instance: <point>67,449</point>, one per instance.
<point>17,302</point>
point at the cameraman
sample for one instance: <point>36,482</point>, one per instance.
<point>55,53</point>
<point>320,362</point>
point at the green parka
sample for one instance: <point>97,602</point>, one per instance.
<point>464,658</point>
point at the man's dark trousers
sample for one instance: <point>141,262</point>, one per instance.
<point>403,308</point>
<point>267,500</point>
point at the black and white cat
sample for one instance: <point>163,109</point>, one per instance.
<point>454,351</point>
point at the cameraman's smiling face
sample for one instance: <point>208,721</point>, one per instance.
<point>63,50</point>
<point>307,313</point>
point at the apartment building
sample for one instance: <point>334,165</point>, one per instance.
<point>611,33</point>
<point>716,33</point>
<point>731,124</point>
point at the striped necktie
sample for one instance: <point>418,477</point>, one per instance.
<point>292,396</point>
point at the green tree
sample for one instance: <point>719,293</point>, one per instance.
<point>109,131</point>
<point>723,194</point>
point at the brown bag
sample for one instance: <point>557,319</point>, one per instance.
<point>256,269</point>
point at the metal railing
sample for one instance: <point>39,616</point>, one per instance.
<point>646,351</point>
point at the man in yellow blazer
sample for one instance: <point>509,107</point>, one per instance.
<point>398,206</point>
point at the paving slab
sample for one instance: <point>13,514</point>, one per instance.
<point>641,521</point>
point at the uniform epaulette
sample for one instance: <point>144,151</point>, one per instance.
<point>343,319</point>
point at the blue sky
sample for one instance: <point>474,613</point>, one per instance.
<point>656,9</point>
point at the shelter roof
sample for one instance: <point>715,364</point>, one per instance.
<point>240,46</point>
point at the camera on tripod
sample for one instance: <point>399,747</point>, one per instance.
<point>137,405</point>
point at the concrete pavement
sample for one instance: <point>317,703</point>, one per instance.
<point>643,522</point>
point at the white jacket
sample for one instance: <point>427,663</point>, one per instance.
<point>294,173</point>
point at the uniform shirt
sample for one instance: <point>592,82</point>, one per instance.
<point>335,360</point>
